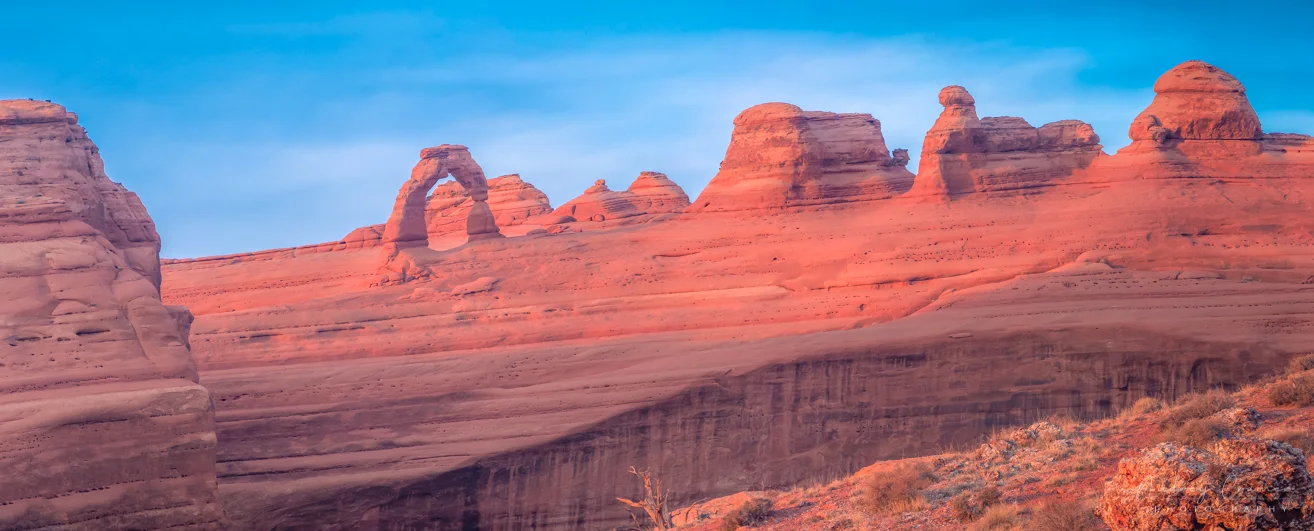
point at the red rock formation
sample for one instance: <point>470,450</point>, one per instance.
<point>1201,126</point>
<point>406,226</point>
<point>1197,101</point>
<point>599,203</point>
<point>753,351</point>
<point>782,156</point>
<point>656,193</point>
<point>363,237</point>
<point>963,154</point>
<point>511,200</point>
<point>102,422</point>
<point>650,193</point>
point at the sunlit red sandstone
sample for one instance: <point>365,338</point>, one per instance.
<point>511,200</point>
<point>102,422</point>
<point>806,296</point>
<point>803,288</point>
<point>963,154</point>
<point>782,156</point>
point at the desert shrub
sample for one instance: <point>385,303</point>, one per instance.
<point>752,512</point>
<point>653,503</point>
<point>841,524</point>
<point>1198,432</point>
<point>1198,406</point>
<point>1302,439</point>
<point>1144,405</point>
<point>1084,460</point>
<point>1294,390</point>
<point>899,490</point>
<point>961,507</point>
<point>1064,516</point>
<point>1302,363</point>
<point>968,506</point>
<point>999,518</point>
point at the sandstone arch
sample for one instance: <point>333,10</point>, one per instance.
<point>406,229</point>
<point>406,225</point>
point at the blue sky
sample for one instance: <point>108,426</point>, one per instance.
<point>246,126</point>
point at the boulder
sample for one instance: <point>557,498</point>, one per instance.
<point>1241,484</point>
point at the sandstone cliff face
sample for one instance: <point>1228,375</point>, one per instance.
<point>102,423</point>
<point>774,426</point>
<point>781,156</point>
<point>512,201</point>
<point>963,154</point>
<point>512,387</point>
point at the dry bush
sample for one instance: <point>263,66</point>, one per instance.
<point>899,490</point>
<point>1198,406</point>
<point>752,512</point>
<point>1294,390</point>
<point>999,518</point>
<point>969,506</point>
<point>1197,432</point>
<point>1083,463</point>
<point>961,508</point>
<point>842,524</point>
<point>1142,406</point>
<point>1064,516</point>
<point>1302,363</point>
<point>653,503</point>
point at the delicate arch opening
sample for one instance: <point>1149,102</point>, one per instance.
<point>406,225</point>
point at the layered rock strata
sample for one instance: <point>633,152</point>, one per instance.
<point>782,156</point>
<point>737,352</point>
<point>406,228</point>
<point>511,200</point>
<point>1200,125</point>
<point>406,225</point>
<point>655,193</point>
<point>599,203</point>
<point>102,422</point>
<point>963,154</point>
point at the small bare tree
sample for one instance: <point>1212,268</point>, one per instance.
<point>653,502</point>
